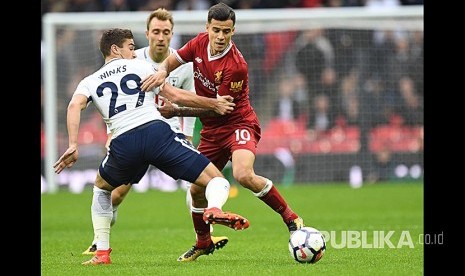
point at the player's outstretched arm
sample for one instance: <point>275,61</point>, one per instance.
<point>168,110</point>
<point>73,119</point>
<point>221,105</point>
<point>177,111</point>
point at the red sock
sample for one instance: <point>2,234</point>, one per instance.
<point>202,231</point>
<point>274,199</point>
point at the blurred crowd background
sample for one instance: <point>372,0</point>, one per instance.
<point>149,5</point>
<point>328,99</point>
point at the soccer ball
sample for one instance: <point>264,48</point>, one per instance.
<point>307,245</point>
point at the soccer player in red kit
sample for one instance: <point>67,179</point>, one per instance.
<point>220,69</point>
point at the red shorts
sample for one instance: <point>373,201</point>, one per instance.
<point>219,144</point>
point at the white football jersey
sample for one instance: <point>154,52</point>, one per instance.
<point>182,77</point>
<point>114,89</point>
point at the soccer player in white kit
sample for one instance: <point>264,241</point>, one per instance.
<point>140,137</point>
<point>159,34</point>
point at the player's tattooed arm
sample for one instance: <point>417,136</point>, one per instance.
<point>169,111</point>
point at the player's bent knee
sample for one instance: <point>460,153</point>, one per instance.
<point>102,184</point>
<point>207,174</point>
<point>245,179</point>
<point>212,171</point>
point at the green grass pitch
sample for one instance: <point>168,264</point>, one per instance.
<point>377,230</point>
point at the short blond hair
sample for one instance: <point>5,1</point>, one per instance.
<point>161,14</point>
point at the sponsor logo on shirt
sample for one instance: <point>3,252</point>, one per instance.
<point>236,86</point>
<point>205,82</point>
<point>199,60</point>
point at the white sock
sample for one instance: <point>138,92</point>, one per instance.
<point>115,215</point>
<point>189,200</point>
<point>217,192</point>
<point>102,213</point>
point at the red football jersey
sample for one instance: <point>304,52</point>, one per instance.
<point>222,74</point>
